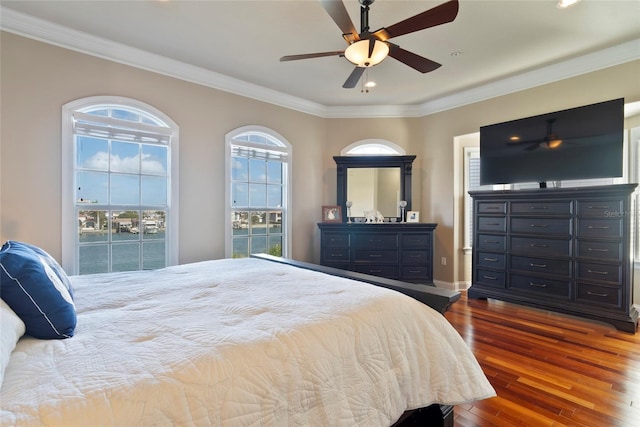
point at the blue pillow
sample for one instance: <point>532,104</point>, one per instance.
<point>36,288</point>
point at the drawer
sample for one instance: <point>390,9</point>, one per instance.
<point>335,254</point>
<point>416,241</point>
<point>605,251</point>
<point>600,227</point>
<point>491,243</point>
<point>335,240</point>
<point>539,285</point>
<point>375,255</point>
<point>415,272</point>
<point>541,265</point>
<point>495,224</point>
<point>375,241</point>
<point>541,247</point>
<point>487,259</point>
<point>490,278</point>
<point>541,226</point>
<point>599,295</point>
<point>601,208</point>
<point>389,271</point>
<point>416,257</point>
<point>542,208</point>
<point>611,273</point>
<point>492,207</point>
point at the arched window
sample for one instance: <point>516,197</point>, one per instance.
<point>257,193</point>
<point>120,172</point>
<point>372,147</point>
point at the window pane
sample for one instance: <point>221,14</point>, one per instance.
<point>274,173</point>
<point>92,187</point>
<point>125,115</point>
<point>125,189</point>
<point>275,245</point>
<point>257,170</point>
<point>240,223</point>
<point>154,191</point>
<point>258,245</point>
<point>125,257</point>
<point>92,226</point>
<point>240,194</point>
<point>258,223</point>
<point>153,226</point>
<point>125,157</point>
<point>239,169</point>
<point>124,225</point>
<point>274,196</point>
<point>154,159</point>
<point>94,259</point>
<point>153,255</point>
<point>240,247</point>
<point>275,222</point>
<point>92,153</point>
<point>258,195</point>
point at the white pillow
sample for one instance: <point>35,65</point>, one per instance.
<point>11,329</point>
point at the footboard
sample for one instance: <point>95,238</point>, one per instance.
<point>438,299</point>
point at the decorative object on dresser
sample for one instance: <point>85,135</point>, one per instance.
<point>399,251</point>
<point>413,216</point>
<point>561,249</point>
<point>331,213</point>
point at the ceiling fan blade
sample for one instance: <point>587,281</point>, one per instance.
<point>337,11</point>
<point>439,15</point>
<point>311,55</point>
<point>353,78</point>
<point>414,61</point>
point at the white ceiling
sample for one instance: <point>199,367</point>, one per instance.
<point>503,46</point>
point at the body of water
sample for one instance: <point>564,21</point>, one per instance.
<point>128,252</point>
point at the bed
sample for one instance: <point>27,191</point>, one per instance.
<point>260,341</point>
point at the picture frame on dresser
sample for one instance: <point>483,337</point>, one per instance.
<point>413,216</point>
<point>331,213</point>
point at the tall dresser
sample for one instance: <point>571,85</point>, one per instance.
<point>401,251</point>
<point>565,250</point>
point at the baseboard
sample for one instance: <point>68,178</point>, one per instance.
<point>451,286</point>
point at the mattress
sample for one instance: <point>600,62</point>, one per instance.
<point>239,342</point>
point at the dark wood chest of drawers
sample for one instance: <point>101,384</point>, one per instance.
<point>566,250</point>
<point>401,251</point>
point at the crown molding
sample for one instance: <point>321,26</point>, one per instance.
<point>47,32</point>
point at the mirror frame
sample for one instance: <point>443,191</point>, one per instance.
<point>343,163</point>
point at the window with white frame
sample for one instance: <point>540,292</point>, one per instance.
<point>119,186</point>
<point>257,193</point>
<point>373,147</point>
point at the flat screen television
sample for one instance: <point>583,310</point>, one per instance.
<point>578,143</point>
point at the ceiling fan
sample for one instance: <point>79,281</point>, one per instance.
<point>550,141</point>
<point>366,49</point>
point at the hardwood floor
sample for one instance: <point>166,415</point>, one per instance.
<point>548,369</point>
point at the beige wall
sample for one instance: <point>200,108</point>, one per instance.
<point>37,79</point>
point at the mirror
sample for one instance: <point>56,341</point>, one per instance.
<point>373,182</point>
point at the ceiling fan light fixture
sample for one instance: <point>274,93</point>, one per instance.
<point>358,53</point>
<point>554,143</point>
<point>563,4</point>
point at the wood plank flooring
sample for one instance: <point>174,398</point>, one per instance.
<point>548,369</point>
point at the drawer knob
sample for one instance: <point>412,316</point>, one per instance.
<point>597,250</point>
<point>604,273</point>
<point>491,259</point>
<point>490,277</point>
<point>533,208</point>
<point>493,242</point>
<point>537,285</point>
<point>539,225</point>
<point>375,255</point>
<point>598,227</point>
<point>535,245</point>
<point>599,207</point>
<point>597,294</point>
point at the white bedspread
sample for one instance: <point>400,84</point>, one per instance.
<point>239,343</point>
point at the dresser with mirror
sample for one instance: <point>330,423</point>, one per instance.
<point>393,248</point>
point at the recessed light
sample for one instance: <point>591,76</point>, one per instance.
<point>456,53</point>
<point>563,4</point>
